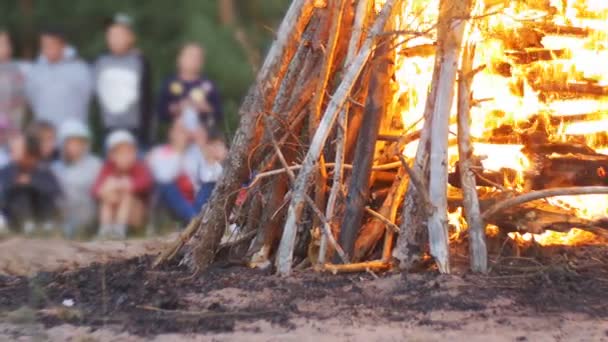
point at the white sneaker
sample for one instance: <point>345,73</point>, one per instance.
<point>105,231</point>
<point>120,231</point>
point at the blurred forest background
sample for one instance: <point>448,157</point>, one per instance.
<point>236,34</point>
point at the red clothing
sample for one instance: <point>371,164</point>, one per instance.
<point>139,174</point>
<point>185,186</point>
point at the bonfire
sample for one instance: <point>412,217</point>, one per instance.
<point>379,133</point>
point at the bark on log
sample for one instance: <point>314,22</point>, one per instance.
<point>477,236</point>
<point>207,239</point>
<point>285,254</point>
<point>450,33</point>
<point>358,190</point>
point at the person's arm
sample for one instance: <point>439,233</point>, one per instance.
<point>85,86</point>
<point>101,178</point>
<point>146,116</point>
<point>164,103</point>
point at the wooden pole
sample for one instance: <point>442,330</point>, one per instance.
<point>214,215</point>
<point>336,13</point>
<point>337,188</point>
<point>450,32</point>
<point>285,253</point>
<point>358,189</point>
<point>477,236</point>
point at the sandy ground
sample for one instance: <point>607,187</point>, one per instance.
<point>558,328</point>
<point>24,256</point>
<point>322,318</point>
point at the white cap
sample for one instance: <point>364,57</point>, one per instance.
<point>119,137</point>
<point>73,129</point>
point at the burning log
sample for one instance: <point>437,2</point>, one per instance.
<point>570,88</point>
<point>530,55</point>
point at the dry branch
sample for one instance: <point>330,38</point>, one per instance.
<point>374,266</point>
<point>285,253</point>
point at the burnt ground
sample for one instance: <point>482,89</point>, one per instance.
<point>131,297</point>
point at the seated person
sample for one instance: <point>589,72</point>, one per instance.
<point>46,134</point>
<point>122,187</point>
<point>30,190</point>
<point>76,170</point>
<point>167,164</point>
<point>190,91</point>
<point>205,159</point>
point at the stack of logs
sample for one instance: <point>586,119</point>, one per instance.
<point>326,185</point>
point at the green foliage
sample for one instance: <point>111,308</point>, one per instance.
<point>162,26</point>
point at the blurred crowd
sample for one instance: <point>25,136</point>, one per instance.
<point>51,181</point>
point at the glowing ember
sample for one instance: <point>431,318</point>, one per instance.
<point>574,237</point>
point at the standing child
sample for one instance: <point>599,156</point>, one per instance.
<point>30,191</point>
<point>122,81</point>
<point>12,85</point>
<point>59,84</point>
<point>76,170</point>
<point>122,187</point>
<point>189,92</point>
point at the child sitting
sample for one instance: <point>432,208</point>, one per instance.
<point>205,167</point>
<point>167,163</point>
<point>122,187</point>
<point>76,171</point>
<point>46,134</point>
<point>29,189</point>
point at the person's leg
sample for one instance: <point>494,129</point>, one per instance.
<point>173,199</point>
<point>203,195</point>
<point>45,212</point>
<point>107,213</point>
<point>19,210</point>
<point>123,213</point>
<point>137,215</point>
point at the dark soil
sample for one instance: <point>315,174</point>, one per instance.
<point>146,302</point>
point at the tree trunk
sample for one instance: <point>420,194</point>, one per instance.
<point>450,32</point>
<point>299,193</point>
<point>214,215</point>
